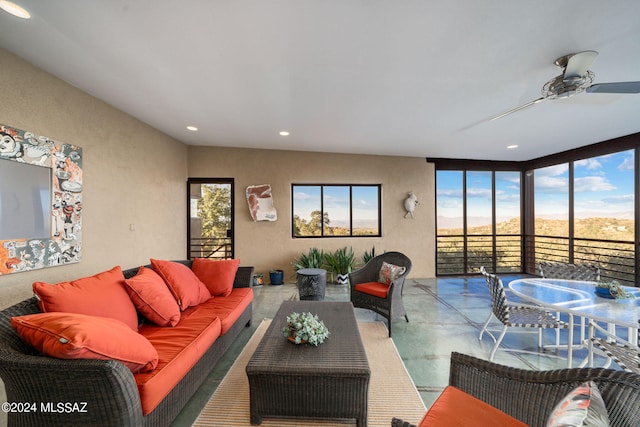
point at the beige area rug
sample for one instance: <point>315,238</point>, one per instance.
<point>391,390</point>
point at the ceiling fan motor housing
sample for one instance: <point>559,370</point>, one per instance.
<point>561,87</point>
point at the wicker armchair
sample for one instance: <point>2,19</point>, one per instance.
<point>386,300</point>
<point>530,396</point>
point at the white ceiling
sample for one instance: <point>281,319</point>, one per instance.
<point>393,77</point>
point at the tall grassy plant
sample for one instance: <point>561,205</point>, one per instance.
<point>342,261</point>
<point>315,258</point>
<point>368,256</point>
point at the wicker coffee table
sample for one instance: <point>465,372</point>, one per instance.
<point>303,381</point>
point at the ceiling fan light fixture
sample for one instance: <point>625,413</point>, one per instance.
<point>15,10</point>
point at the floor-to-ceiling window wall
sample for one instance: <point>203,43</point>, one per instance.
<point>585,213</point>
<point>579,206</point>
<point>478,221</point>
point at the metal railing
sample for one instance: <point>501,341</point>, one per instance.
<point>616,258</point>
<point>210,247</point>
<point>459,254</point>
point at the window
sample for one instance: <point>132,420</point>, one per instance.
<point>336,210</point>
<point>478,221</point>
<point>580,206</point>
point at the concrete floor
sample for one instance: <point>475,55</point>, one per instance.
<point>445,315</point>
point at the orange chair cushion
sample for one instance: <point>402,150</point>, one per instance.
<point>79,336</point>
<point>457,408</point>
<point>217,275</point>
<point>152,297</point>
<point>185,286</point>
<point>102,294</point>
<point>377,289</point>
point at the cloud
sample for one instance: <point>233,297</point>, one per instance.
<point>479,192</point>
<point>590,164</point>
<point>552,171</point>
<point>627,164</point>
<point>592,184</point>
<point>450,193</point>
<point>620,199</point>
<point>551,184</point>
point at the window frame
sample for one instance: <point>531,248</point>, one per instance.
<point>322,210</point>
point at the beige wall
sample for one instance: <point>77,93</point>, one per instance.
<point>132,174</point>
<point>136,175</point>
<point>268,245</point>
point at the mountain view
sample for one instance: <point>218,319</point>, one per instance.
<point>588,228</point>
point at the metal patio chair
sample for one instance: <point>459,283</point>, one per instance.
<point>623,352</point>
<point>568,271</point>
<point>518,316</point>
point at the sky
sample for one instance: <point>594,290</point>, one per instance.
<point>336,203</point>
<point>603,187</point>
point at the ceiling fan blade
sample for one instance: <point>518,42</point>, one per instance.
<point>579,63</point>
<point>522,107</point>
<point>621,87</point>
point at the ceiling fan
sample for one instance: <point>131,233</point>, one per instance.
<point>575,78</point>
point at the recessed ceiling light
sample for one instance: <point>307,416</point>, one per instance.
<point>14,9</point>
<point>284,133</point>
<point>192,128</point>
<point>512,146</point>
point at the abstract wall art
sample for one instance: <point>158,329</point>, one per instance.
<point>260,203</point>
<point>40,201</point>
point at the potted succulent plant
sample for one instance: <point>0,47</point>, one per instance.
<point>612,289</point>
<point>313,259</point>
<point>341,262</point>
<point>368,256</point>
<point>305,328</point>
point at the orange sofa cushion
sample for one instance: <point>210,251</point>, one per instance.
<point>377,289</point>
<point>185,286</point>
<point>78,336</point>
<point>457,408</point>
<point>217,275</point>
<point>102,294</point>
<point>152,297</point>
<point>228,309</point>
<point>179,348</point>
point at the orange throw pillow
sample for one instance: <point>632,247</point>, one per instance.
<point>185,286</point>
<point>78,336</point>
<point>152,298</point>
<point>102,294</point>
<point>217,275</point>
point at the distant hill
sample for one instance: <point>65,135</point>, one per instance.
<point>589,228</point>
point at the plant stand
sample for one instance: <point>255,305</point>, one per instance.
<point>312,283</point>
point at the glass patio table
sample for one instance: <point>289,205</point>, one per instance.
<point>578,298</point>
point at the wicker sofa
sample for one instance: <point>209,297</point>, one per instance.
<point>530,396</point>
<point>106,390</point>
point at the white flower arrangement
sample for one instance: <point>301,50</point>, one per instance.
<point>305,328</point>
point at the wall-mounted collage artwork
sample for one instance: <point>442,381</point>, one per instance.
<point>40,201</point>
